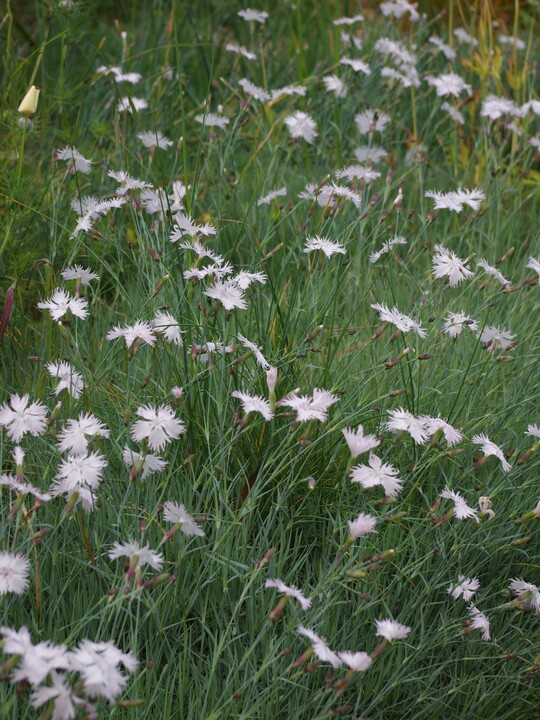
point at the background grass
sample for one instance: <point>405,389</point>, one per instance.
<point>205,647</point>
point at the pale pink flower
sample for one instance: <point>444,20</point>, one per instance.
<point>362,525</point>
<point>386,247</point>
<point>158,425</point>
<point>465,588</point>
<point>449,84</point>
<point>146,462</point>
<point>127,182</point>
<point>99,666</point>
<point>448,52</point>
<point>132,550</point>
<point>255,349</point>
<point>14,569</point>
<point>456,199</point>
<point>289,591</point>
<point>391,630</point>
<point>447,264</point>
<point>348,20</point>
<point>77,433</point>
<point>377,473</point>
<point>490,270</point>
<point>240,50</point>
<point>400,320</point>
<point>371,121</point>
<point>61,302</point>
<point>479,621</point>
<point>334,85</point>
<point>177,514</point>
<point>461,509</point>
<point>76,162</point>
<point>358,442</point>
<point>63,697</point>
<point>140,330</point>
<point>254,403</point>
<point>22,488</point>
<point>533,263</point>
<point>301,126</point>
<point>526,592</point>
<point>154,139</point>
<point>498,339</point>
<point>321,243</point>
<point>455,322</point>
<point>356,65</point>
<point>213,120</point>
<point>35,661</point>
<point>228,293</point>
<point>433,424</point>
<point>83,276</point>
<point>464,37</point>
<point>288,90</point>
<point>256,92</point>
<point>367,154</point>
<point>79,471</point>
<point>358,661</point>
<point>358,172</point>
<point>128,104</point>
<point>166,325</point>
<point>402,420</point>
<point>456,115</point>
<point>119,74</point>
<point>20,417</point>
<point>510,40</point>
<point>320,646</point>
<point>310,408</point>
<point>70,380</point>
<point>267,199</point>
<point>489,448</point>
<point>250,15</point>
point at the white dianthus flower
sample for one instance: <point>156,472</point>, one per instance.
<point>377,473</point>
<point>13,573</point>
<point>154,138</point>
<point>76,162</point>
<point>20,417</point>
<point>465,588</point>
<point>158,425</point>
<point>70,380</point>
<point>391,630</point>
<point>177,514</point>
<point>358,442</point>
<point>61,302</point>
<point>302,126</point>
<point>289,591</point>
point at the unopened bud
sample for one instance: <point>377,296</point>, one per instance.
<point>392,363</point>
<point>313,334</point>
<point>271,379</point>
<point>29,103</point>
<point>266,559</point>
<point>8,307</point>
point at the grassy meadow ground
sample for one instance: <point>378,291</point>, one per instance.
<point>272,491</point>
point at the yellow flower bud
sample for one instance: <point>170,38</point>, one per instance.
<point>30,101</point>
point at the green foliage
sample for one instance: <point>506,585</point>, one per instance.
<point>205,646</point>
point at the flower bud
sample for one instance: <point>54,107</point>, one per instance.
<point>30,102</point>
<point>271,379</point>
